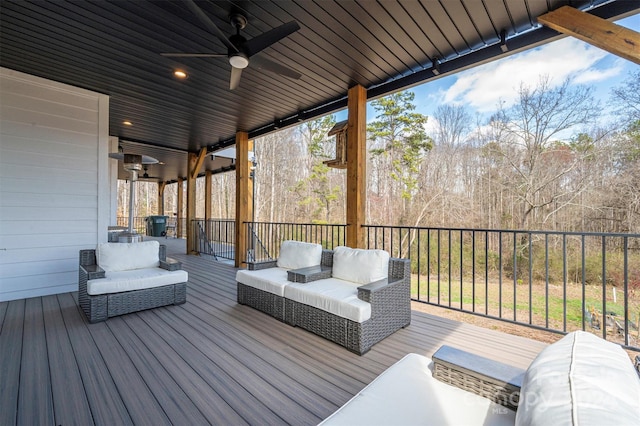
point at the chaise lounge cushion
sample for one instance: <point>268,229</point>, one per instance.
<point>136,279</point>
<point>407,394</point>
<point>297,254</point>
<point>271,280</point>
<point>360,265</point>
<point>331,295</point>
<point>127,256</point>
<point>580,380</point>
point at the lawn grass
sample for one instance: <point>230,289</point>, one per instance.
<point>539,304</point>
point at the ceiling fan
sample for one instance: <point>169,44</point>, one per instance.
<point>241,51</point>
<point>145,176</point>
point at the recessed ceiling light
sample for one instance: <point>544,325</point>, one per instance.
<point>127,123</point>
<point>180,74</point>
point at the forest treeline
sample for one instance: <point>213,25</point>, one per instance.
<point>548,162</point>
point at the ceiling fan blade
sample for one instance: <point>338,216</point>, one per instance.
<point>268,65</point>
<point>270,37</point>
<point>194,55</point>
<point>234,82</point>
<point>210,25</point>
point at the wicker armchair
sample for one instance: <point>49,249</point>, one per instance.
<point>102,306</point>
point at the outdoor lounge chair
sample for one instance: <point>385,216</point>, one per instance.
<point>581,379</point>
<point>120,278</point>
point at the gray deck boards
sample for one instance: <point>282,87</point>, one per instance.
<point>207,361</point>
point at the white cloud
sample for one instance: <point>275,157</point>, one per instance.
<point>483,87</point>
<point>591,76</point>
<point>431,126</point>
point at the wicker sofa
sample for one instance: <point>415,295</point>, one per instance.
<point>354,298</point>
<point>581,379</point>
<point>120,278</point>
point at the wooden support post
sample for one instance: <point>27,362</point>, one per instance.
<point>207,201</point>
<point>244,195</point>
<point>599,32</point>
<point>356,165</point>
<point>195,164</point>
<point>161,187</point>
<point>179,212</point>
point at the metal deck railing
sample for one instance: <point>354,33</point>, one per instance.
<point>553,281</point>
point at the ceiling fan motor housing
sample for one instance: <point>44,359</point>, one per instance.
<point>238,21</point>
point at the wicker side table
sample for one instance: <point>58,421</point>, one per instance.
<point>485,377</point>
<point>311,273</point>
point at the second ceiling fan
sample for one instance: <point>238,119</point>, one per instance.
<point>241,51</point>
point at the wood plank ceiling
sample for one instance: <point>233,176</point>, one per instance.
<point>114,47</point>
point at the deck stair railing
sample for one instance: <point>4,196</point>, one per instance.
<point>215,237</point>
<point>554,281</point>
<point>203,245</point>
<point>256,248</point>
<point>265,237</point>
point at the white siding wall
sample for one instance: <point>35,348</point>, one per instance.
<point>54,182</point>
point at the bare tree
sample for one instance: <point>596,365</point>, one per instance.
<point>453,124</point>
<point>627,98</point>
<point>280,157</point>
<point>531,144</point>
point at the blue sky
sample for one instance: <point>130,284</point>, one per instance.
<point>483,87</point>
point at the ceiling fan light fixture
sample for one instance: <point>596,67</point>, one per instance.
<point>239,60</point>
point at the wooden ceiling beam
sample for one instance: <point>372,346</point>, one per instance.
<point>197,165</point>
<point>591,29</point>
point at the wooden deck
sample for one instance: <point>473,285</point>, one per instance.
<point>209,361</point>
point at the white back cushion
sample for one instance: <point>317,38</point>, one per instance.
<point>296,254</point>
<point>580,380</point>
<point>360,265</point>
<point>126,256</point>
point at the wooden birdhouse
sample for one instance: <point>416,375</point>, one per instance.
<point>340,131</point>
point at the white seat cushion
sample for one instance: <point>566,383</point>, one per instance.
<point>360,265</point>
<point>296,254</point>
<point>126,256</point>
<point>271,280</point>
<point>331,295</point>
<point>135,279</point>
<point>580,380</point>
<point>407,394</point>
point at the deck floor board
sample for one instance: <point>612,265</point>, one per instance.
<point>107,405</point>
<point>169,393</point>
<point>10,361</point>
<point>65,377</point>
<point>35,401</point>
<point>207,361</point>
